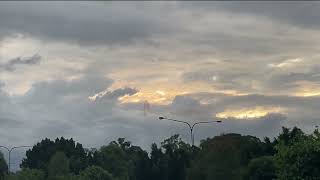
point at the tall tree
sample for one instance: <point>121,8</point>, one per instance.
<point>38,157</point>
<point>28,174</point>
<point>225,157</point>
<point>95,173</point>
<point>3,166</point>
<point>59,165</point>
<point>298,157</point>
<point>261,168</point>
<point>179,156</point>
<point>159,164</point>
<point>171,160</point>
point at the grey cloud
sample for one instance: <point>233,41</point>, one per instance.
<point>177,36</point>
<point>61,108</point>
<point>62,90</point>
<point>261,79</point>
<point>302,14</point>
<point>187,107</point>
<point>297,13</point>
<point>224,79</point>
<point>89,23</point>
<point>12,64</point>
<point>291,80</point>
<point>6,122</point>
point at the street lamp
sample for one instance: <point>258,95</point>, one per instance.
<point>9,154</point>
<point>191,126</point>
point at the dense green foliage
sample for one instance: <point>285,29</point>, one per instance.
<point>226,157</point>
<point>261,168</point>
<point>95,173</point>
<point>28,174</point>
<point>58,165</point>
<point>3,166</point>
<point>291,155</point>
<point>38,157</point>
<point>299,158</point>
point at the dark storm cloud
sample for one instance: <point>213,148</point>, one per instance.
<point>12,64</point>
<point>83,23</point>
<point>300,13</point>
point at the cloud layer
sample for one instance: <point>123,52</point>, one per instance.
<point>87,69</point>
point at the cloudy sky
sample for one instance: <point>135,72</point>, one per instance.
<point>96,71</point>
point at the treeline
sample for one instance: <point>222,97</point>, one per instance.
<point>291,155</point>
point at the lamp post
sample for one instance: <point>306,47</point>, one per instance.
<point>9,154</point>
<point>191,126</point>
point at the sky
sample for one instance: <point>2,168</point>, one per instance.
<point>96,71</point>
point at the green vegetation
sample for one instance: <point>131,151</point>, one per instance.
<point>3,167</point>
<point>291,155</point>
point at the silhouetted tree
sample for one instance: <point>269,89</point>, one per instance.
<point>28,174</point>
<point>225,157</point>
<point>159,164</point>
<point>3,166</point>
<point>261,168</point>
<point>291,155</point>
<point>170,162</point>
<point>298,157</point>
<point>95,173</point>
<point>58,165</point>
<point>38,157</point>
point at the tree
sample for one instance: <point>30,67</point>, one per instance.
<point>298,158</point>
<point>179,155</point>
<point>113,158</point>
<point>28,174</point>
<point>159,164</point>
<point>39,156</point>
<point>58,165</point>
<point>288,136</point>
<point>139,163</point>
<point>123,160</point>
<point>171,160</point>
<point>225,157</point>
<point>261,168</point>
<point>3,166</point>
<point>95,173</point>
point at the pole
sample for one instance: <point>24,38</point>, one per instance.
<point>191,126</point>
<point>9,155</point>
<point>201,122</point>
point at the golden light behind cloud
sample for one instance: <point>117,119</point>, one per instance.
<point>250,113</point>
<point>164,93</point>
<point>307,89</point>
<point>287,63</point>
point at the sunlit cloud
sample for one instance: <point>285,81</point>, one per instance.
<point>250,113</point>
<point>286,63</point>
<point>307,89</point>
<point>153,97</point>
